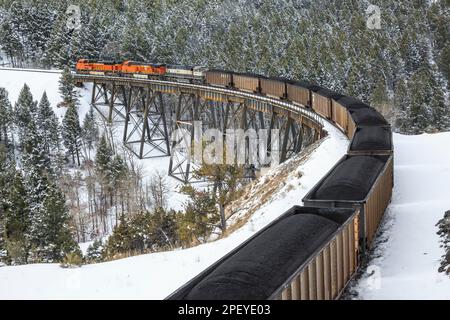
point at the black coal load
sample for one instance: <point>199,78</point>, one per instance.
<point>264,264</point>
<point>329,94</point>
<point>372,138</point>
<point>367,117</point>
<point>351,103</point>
<point>315,88</point>
<point>304,84</point>
<point>350,180</point>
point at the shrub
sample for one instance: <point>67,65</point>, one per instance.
<point>72,260</point>
<point>95,252</point>
<point>444,232</point>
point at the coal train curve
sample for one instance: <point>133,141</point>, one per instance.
<point>311,251</point>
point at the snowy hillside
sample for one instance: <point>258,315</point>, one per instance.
<point>14,79</point>
<point>409,245</point>
<point>408,252</point>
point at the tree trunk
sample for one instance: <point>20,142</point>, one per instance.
<point>78,156</point>
<point>223,221</point>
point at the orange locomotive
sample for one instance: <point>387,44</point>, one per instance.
<point>141,68</point>
<point>98,67</point>
<point>131,68</point>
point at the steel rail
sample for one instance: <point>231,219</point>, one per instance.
<point>31,70</point>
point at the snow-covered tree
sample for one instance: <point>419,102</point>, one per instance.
<point>24,111</point>
<point>88,40</point>
<point>48,125</point>
<point>402,102</point>
<point>103,158</point>
<point>67,89</point>
<point>200,213</point>
<point>34,153</point>
<point>17,221</point>
<point>6,116</point>
<point>422,98</point>
<point>90,129</point>
<point>71,132</point>
<point>52,238</point>
<point>10,42</point>
<point>94,252</point>
<point>58,49</point>
<point>7,173</point>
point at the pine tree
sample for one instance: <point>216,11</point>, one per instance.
<point>7,173</point>
<point>24,107</point>
<point>402,104</point>
<point>379,98</point>
<point>103,158</point>
<point>120,240</point>
<point>441,109</point>
<point>57,49</point>
<point>71,132</point>
<point>17,222</point>
<point>5,115</point>
<point>90,129</point>
<point>135,44</point>
<point>200,213</point>
<point>421,110</point>
<point>119,171</point>
<point>140,232</point>
<point>37,187</point>
<point>164,227</point>
<point>87,42</point>
<point>104,175</point>
<point>48,125</point>
<point>35,156</point>
<point>52,238</point>
<point>24,111</point>
<point>67,89</point>
<point>39,27</point>
<point>10,43</point>
<point>49,232</point>
<point>94,253</point>
<point>225,179</point>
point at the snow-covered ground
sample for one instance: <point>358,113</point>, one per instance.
<point>408,253</point>
<point>14,79</point>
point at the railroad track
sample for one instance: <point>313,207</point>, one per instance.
<point>31,70</point>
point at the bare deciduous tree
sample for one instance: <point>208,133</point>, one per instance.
<point>159,190</point>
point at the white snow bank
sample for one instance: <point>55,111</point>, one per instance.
<point>155,276</point>
<point>406,264</point>
<point>39,81</point>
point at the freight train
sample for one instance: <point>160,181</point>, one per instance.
<point>142,70</point>
<point>310,252</point>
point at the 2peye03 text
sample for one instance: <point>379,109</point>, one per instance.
<point>225,309</point>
